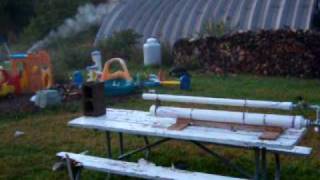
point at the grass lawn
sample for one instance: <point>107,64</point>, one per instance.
<point>32,155</point>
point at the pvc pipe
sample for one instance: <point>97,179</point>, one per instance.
<point>283,121</point>
<point>220,101</point>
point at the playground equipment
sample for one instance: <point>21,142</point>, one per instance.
<point>6,87</point>
<point>117,83</point>
<point>107,75</point>
<point>184,81</point>
<point>29,73</point>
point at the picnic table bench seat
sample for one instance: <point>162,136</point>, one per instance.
<point>139,170</point>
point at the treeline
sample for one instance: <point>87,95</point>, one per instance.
<point>30,20</point>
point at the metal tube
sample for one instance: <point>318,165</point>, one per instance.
<point>109,149</point>
<point>69,168</point>
<point>220,101</point>
<point>264,163</point>
<point>121,143</point>
<point>146,142</point>
<point>226,161</point>
<point>278,167</point>
<point>257,163</point>
<point>143,148</point>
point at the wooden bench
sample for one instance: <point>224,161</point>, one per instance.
<point>139,170</point>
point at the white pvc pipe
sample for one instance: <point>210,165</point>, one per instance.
<point>283,121</point>
<point>220,101</point>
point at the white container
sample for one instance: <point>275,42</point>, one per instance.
<point>152,52</point>
<point>96,58</point>
<point>44,98</point>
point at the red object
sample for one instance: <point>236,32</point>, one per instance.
<point>5,75</point>
<point>13,81</point>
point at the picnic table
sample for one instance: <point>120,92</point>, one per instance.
<point>144,124</point>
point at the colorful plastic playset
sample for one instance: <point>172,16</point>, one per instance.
<point>28,73</point>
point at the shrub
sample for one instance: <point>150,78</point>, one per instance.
<point>167,57</point>
<point>121,44</point>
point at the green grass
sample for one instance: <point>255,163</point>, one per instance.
<point>32,155</point>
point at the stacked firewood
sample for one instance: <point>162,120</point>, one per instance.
<point>279,53</point>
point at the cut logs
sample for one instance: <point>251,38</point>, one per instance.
<point>280,53</point>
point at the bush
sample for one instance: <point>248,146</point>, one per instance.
<point>121,44</point>
<point>167,57</point>
<point>71,54</point>
<point>74,53</point>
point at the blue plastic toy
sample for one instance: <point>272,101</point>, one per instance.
<point>119,87</point>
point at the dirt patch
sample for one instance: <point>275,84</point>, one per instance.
<point>16,104</point>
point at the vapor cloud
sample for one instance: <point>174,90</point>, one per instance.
<point>87,16</point>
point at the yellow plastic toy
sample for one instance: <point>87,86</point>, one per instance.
<point>124,74</point>
<point>164,82</point>
<point>170,83</point>
<point>6,89</point>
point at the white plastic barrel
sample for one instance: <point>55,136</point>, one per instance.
<point>152,52</point>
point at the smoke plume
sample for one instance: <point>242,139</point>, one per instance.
<point>88,15</point>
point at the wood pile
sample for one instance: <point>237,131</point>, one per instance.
<point>276,53</point>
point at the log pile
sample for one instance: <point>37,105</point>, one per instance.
<point>276,53</point>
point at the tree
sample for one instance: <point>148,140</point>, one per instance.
<point>14,16</point>
<point>50,14</point>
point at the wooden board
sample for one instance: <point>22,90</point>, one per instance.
<point>142,123</point>
<point>140,170</point>
<point>268,132</point>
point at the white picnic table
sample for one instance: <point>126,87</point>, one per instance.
<point>143,124</point>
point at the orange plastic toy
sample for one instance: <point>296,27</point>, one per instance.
<point>28,74</point>
<point>124,74</point>
<point>35,71</point>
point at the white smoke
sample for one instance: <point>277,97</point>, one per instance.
<point>87,16</point>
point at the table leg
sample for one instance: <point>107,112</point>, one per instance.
<point>121,143</point>
<point>223,159</point>
<point>257,162</point>
<point>146,142</point>
<point>108,138</point>
<point>278,166</point>
<point>264,163</point>
<point>74,170</point>
<point>78,173</point>
<point>126,155</point>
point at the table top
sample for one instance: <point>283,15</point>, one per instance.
<point>142,123</point>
